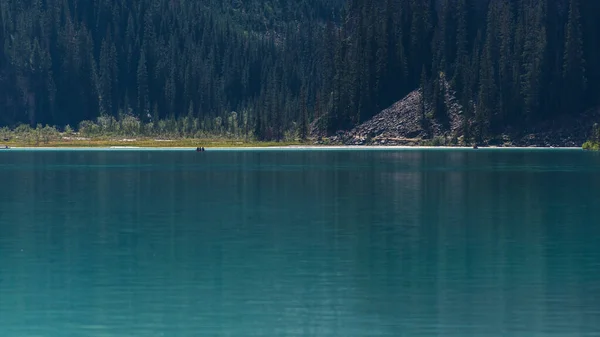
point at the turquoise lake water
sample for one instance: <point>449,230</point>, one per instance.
<point>300,243</point>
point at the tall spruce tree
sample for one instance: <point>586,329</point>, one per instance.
<point>574,62</point>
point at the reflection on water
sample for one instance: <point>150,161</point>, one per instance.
<point>299,243</point>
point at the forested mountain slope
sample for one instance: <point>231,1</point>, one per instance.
<point>65,61</point>
<point>274,66</point>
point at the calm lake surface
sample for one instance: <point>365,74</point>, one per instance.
<point>300,243</point>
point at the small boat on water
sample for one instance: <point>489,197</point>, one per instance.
<point>4,147</point>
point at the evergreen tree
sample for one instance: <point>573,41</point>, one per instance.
<point>534,50</point>
<point>574,63</point>
<point>142,82</point>
<point>424,88</point>
<point>303,127</point>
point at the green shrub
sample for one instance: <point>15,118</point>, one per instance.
<point>48,133</point>
<point>5,133</point>
<point>68,130</point>
<point>88,128</point>
<point>594,142</point>
<point>589,145</point>
<point>438,141</point>
<point>130,126</point>
<point>23,129</point>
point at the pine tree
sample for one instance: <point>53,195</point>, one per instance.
<point>424,88</point>
<point>574,63</point>
<point>142,82</point>
<point>439,98</point>
<point>303,127</point>
<point>461,58</point>
<point>107,76</point>
<point>534,50</point>
<point>486,100</point>
<point>420,34</point>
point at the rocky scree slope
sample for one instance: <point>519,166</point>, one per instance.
<point>404,124</point>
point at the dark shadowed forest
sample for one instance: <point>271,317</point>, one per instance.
<point>270,68</point>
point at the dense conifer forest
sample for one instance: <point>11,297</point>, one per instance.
<point>271,68</point>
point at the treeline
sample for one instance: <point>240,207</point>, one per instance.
<point>276,66</point>
<point>127,127</point>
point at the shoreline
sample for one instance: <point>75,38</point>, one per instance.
<point>283,147</point>
<point>74,142</point>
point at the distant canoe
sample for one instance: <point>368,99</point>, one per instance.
<point>124,147</point>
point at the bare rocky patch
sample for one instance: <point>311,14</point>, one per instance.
<point>403,123</point>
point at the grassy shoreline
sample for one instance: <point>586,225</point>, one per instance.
<point>49,137</point>
<point>145,143</point>
<point>192,143</point>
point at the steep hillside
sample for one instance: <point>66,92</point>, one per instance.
<point>404,124</point>
<point>269,69</point>
<point>409,121</point>
<point>218,61</point>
